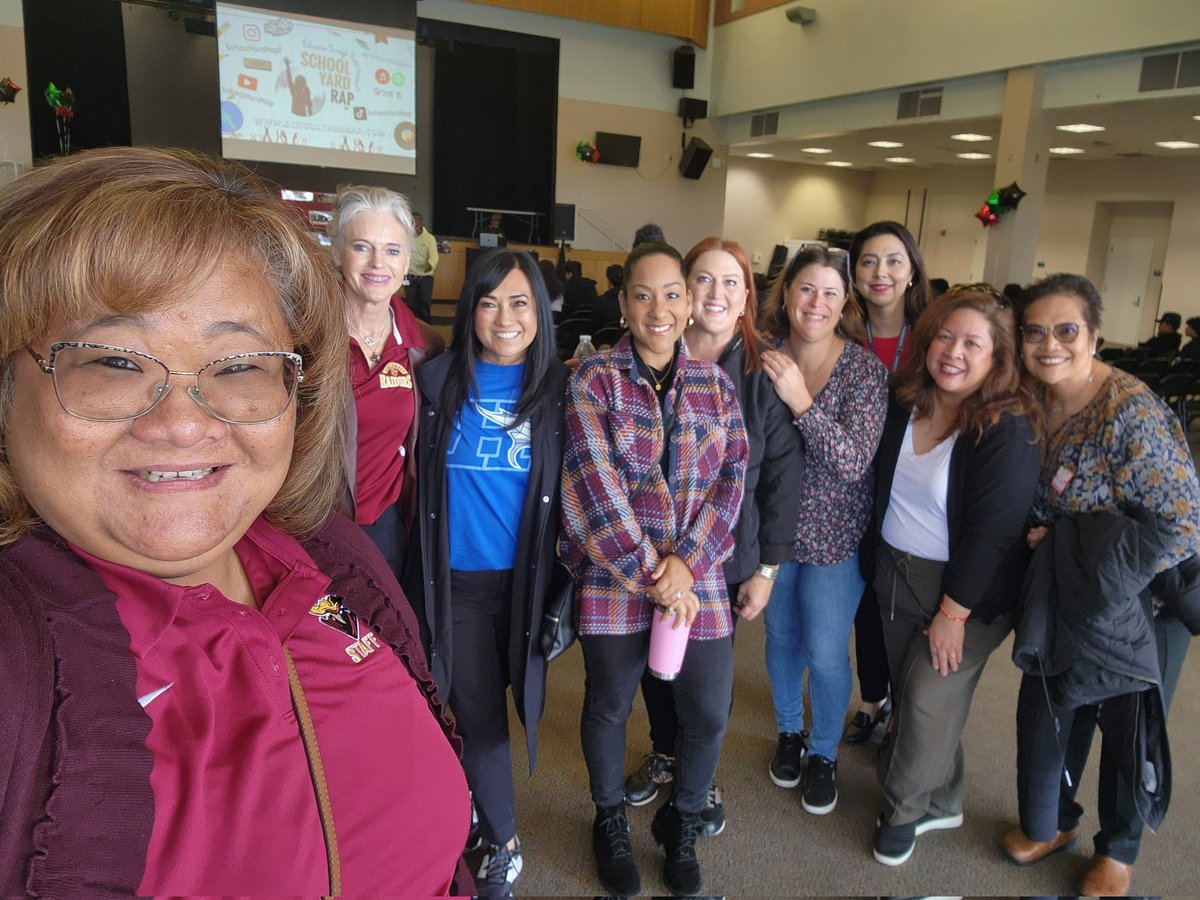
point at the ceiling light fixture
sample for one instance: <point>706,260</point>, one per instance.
<point>815,150</point>
<point>841,164</point>
<point>761,155</point>
<point>1065,151</point>
<point>969,136</point>
<point>1177,145</point>
<point>900,159</point>
<point>886,145</point>
<point>1080,128</point>
<point>973,155</point>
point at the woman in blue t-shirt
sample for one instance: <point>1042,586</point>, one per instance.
<point>490,451</point>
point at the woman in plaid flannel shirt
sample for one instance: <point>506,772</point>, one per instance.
<point>649,520</point>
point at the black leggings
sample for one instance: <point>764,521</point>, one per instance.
<point>701,693</point>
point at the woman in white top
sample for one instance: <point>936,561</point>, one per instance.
<point>957,469</point>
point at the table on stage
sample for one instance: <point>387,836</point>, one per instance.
<point>524,216</point>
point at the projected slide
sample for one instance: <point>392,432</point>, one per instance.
<point>298,89</point>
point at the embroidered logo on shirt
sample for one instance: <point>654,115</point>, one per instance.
<point>394,375</point>
<point>330,611</point>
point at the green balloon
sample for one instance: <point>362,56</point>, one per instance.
<point>994,197</point>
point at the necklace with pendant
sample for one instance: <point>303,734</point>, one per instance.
<point>376,353</point>
<point>658,379</point>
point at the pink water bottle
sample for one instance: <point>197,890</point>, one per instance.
<point>667,644</point>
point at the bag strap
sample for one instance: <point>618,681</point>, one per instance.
<point>309,735</point>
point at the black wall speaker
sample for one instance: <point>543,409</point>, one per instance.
<point>692,108</point>
<point>564,222</point>
<point>683,68</point>
<point>695,157</point>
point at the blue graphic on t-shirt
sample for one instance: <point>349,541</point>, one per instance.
<point>487,472</point>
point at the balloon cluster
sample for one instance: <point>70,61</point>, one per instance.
<point>62,101</point>
<point>587,153</point>
<point>998,202</point>
<point>8,90</point>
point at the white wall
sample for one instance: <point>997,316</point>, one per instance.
<point>621,199</point>
<point>855,46</point>
<point>767,203</point>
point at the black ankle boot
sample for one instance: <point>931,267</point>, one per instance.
<point>675,831</point>
<point>614,855</point>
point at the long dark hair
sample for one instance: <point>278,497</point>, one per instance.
<point>919,294</point>
<point>775,315</point>
<point>483,278</point>
<point>1002,391</point>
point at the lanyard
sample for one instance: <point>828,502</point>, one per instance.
<point>899,354</point>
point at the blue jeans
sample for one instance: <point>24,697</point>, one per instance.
<point>808,627</point>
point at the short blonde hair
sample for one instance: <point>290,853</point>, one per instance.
<point>353,199</point>
<point>130,230</point>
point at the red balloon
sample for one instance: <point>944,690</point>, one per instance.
<point>986,216</point>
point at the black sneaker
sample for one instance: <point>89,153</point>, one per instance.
<point>893,844</point>
<point>789,753</point>
<point>499,870</point>
<point>712,817</point>
<point>676,831</point>
<point>934,822</point>
<point>642,786</point>
<point>614,855</point>
<point>819,794</point>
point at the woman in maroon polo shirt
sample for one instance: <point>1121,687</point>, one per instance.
<point>212,684</point>
<point>372,233</point>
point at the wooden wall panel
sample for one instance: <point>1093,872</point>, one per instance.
<point>686,19</point>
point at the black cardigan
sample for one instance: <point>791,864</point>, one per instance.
<point>766,527</point>
<point>988,497</point>
<point>427,579</point>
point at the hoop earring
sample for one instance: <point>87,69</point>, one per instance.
<point>622,323</point>
<point>691,321</point>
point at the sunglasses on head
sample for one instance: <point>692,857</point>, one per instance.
<point>1064,333</point>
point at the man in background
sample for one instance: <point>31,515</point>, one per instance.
<point>421,266</point>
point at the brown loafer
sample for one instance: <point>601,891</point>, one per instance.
<point>1023,851</point>
<point>1106,877</point>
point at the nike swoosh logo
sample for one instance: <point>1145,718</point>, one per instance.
<point>146,699</point>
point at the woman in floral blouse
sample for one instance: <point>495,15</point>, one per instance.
<point>1112,445</point>
<point>837,393</point>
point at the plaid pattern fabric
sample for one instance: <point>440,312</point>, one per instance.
<point>613,437</point>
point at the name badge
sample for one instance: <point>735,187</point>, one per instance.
<point>1061,479</point>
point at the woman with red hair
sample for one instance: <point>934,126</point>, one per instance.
<point>723,332</point>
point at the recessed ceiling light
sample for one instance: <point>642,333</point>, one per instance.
<point>1080,128</point>
<point>1196,117</point>
<point>761,155</point>
<point>815,150</point>
<point>969,136</point>
<point>886,145</point>
<point>1065,151</point>
<point>839,163</point>
<point>1177,145</point>
<point>900,159</point>
<point>973,155</point>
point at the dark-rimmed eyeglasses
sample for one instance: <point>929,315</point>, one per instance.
<point>103,383</point>
<point>1064,332</point>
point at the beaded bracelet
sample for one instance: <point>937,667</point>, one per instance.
<point>952,618</point>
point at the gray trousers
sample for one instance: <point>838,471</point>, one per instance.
<point>921,762</point>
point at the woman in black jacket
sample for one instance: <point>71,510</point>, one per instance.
<point>957,467</point>
<point>490,454</point>
<point>722,331</point>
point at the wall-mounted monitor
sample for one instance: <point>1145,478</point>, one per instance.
<point>618,149</point>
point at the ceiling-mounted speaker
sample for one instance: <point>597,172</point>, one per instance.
<point>683,68</point>
<point>695,157</point>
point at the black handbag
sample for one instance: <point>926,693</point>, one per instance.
<point>559,629</point>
